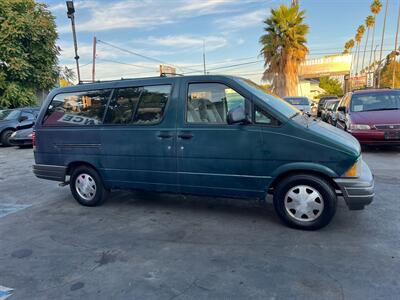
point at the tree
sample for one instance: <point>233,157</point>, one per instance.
<point>284,48</point>
<point>27,43</point>
<point>376,7</point>
<point>331,86</point>
<point>386,80</point>
<point>358,38</point>
<point>369,22</point>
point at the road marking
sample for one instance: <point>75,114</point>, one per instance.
<point>10,208</point>
<point>5,292</point>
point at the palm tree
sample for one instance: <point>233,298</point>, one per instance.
<point>358,38</point>
<point>348,46</point>
<point>284,48</point>
<point>376,7</point>
<point>369,22</point>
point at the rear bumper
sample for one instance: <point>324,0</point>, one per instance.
<point>21,142</point>
<point>50,172</point>
<point>357,192</point>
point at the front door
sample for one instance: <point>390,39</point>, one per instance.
<point>214,157</point>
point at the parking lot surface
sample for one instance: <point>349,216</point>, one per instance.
<point>157,246</point>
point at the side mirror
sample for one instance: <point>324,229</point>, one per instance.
<point>22,118</point>
<point>341,109</point>
<point>237,115</point>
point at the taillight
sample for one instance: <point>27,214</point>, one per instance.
<point>34,139</point>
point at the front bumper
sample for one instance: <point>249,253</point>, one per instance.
<point>376,137</point>
<point>357,192</point>
<point>50,172</point>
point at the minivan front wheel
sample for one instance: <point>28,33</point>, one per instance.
<point>305,201</point>
<point>87,187</point>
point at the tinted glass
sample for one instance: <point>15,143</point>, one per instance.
<point>123,106</point>
<point>375,101</point>
<point>152,102</point>
<point>9,114</point>
<point>210,102</point>
<point>80,108</point>
<point>278,104</point>
<point>297,100</point>
<point>262,117</point>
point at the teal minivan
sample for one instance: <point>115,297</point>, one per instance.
<point>204,135</point>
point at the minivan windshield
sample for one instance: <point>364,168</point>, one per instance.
<point>280,105</point>
<point>297,100</point>
<point>8,114</point>
<point>389,100</point>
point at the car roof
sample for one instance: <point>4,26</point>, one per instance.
<point>367,91</point>
<point>143,80</point>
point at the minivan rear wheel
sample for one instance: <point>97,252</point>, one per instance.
<point>87,187</point>
<point>305,201</point>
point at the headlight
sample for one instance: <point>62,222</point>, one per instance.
<point>355,170</point>
<point>359,127</point>
<point>30,135</point>
<point>14,134</point>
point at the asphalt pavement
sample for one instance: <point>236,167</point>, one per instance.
<point>158,246</point>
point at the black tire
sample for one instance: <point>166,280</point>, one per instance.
<point>95,197</point>
<point>323,215</point>
<point>5,137</point>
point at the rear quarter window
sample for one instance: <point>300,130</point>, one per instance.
<point>77,108</point>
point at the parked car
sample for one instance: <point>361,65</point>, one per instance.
<point>11,119</point>
<point>301,103</point>
<point>372,116</point>
<point>22,137</point>
<point>204,135</point>
<point>331,119</point>
<point>327,110</point>
<point>322,101</point>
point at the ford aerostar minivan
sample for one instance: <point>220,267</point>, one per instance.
<point>205,135</point>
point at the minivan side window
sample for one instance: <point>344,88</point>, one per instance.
<point>151,106</point>
<point>77,108</point>
<point>123,106</point>
<point>210,102</point>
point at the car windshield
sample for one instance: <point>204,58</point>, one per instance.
<point>373,101</point>
<point>297,100</point>
<point>279,104</point>
<point>8,114</point>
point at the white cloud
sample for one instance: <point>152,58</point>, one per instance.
<point>187,42</point>
<point>245,20</point>
<point>143,14</point>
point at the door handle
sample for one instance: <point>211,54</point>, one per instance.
<point>185,135</point>
<point>164,135</point>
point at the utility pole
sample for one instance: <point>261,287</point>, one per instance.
<point>94,59</point>
<point>395,49</point>
<point>71,15</point>
<point>204,57</point>
<point>383,38</point>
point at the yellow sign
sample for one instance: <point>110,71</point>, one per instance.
<point>326,66</point>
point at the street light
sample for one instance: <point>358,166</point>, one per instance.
<point>71,15</point>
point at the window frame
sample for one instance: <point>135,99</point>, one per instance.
<point>112,92</point>
<point>213,82</point>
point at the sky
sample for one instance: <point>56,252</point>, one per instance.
<point>174,32</point>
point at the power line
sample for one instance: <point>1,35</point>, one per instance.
<point>128,64</point>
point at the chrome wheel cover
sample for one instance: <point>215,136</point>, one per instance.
<point>85,186</point>
<point>304,203</point>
